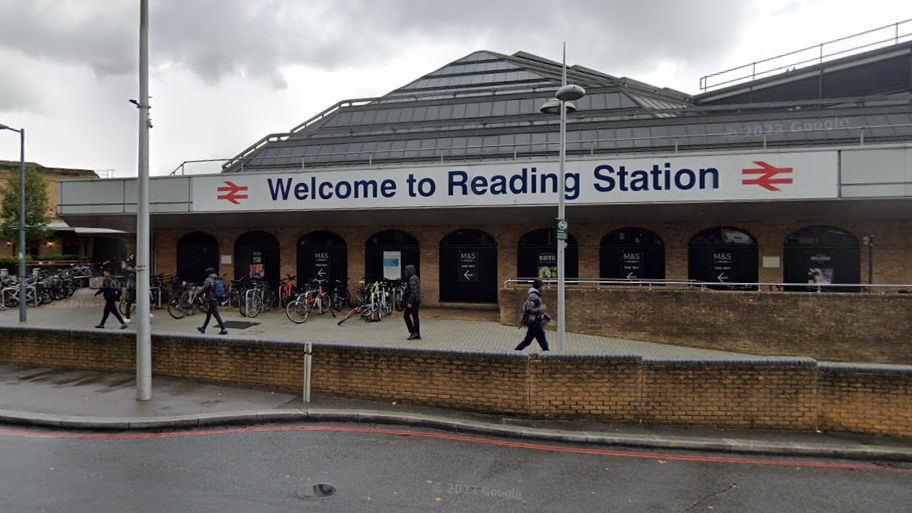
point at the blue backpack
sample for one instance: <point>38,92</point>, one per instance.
<point>218,290</point>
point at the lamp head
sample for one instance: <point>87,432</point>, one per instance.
<point>552,106</point>
<point>570,92</point>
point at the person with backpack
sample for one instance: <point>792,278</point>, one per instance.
<point>533,315</point>
<point>412,302</point>
<point>110,287</point>
<point>131,290</point>
<point>214,289</point>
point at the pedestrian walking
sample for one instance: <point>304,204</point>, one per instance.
<point>111,290</point>
<point>130,291</point>
<point>412,302</point>
<point>214,291</point>
<point>534,316</point>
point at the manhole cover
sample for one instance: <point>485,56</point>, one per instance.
<point>317,491</point>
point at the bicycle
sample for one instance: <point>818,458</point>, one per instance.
<point>340,296</point>
<point>186,302</point>
<point>299,310</point>
<point>287,290</point>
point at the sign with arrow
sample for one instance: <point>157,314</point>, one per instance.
<point>723,265</point>
<point>468,266</point>
<point>322,265</point>
<point>632,264</point>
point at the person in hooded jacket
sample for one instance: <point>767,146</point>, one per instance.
<point>212,303</point>
<point>412,302</point>
<point>536,318</point>
<point>111,294</point>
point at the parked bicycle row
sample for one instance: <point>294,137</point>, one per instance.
<point>42,288</point>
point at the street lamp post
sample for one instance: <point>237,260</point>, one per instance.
<point>23,307</point>
<point>562,103</point>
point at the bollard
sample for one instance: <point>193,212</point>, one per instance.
<point>308,350</point>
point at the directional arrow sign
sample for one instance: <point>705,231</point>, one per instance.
<point>320,273</point>
<point>468,275</point>
<point>723,277</point>
<point>630,276</point>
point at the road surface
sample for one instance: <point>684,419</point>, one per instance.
<point>374,469</point>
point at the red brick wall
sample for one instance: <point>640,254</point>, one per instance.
<point>793,394</point>
<point>836,327</point>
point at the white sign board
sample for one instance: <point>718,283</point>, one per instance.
<point>392,265</point>
<point>768,176</point>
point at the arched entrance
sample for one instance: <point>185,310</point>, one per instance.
<point>322,255</point>
<point>632,254</point>
<point>257,254</point>
<point>723,255</point>
<point>196,251</point>
<point>536,255</point>
<point>387,253</point>
<point>109,249</point>
<point>468,267</point>
<point>821,255</point>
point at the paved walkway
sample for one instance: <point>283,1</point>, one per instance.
<point>440,329</point>
<point>80,400</point>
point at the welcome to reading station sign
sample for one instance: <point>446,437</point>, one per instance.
<point>760,176</point>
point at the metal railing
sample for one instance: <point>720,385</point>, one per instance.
<point>278,136</point>
<point>184,163</point>
<point>750,72</point>
<point>715,285</point>
<point>762,136</point>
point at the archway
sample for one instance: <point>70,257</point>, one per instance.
<point>536,255</point>
<point>821,255</point>
<point>388,252</point>
<point>256,254</point>
<point>196,251</point>
<point>322,255</point>
<point>468,267</point>
<point>632,254</point>
<point>723,255</point>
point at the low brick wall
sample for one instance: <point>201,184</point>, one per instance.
<point>781,393</point>
<point>873,328</point>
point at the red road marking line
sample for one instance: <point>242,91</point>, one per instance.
<point>459,438</point>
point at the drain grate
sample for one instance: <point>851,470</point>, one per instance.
<point>240,325</point>
<point>317,491</point>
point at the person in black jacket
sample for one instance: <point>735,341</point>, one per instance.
<point>412,302</point>
<point>111,295</point>
<point>211,302</point>
<point>535,315</point>
<point>130,291</point>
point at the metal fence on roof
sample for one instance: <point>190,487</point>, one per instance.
<point>879,37</point>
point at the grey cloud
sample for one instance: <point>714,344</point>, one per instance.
<point>256,38</point>
<point>17,96</point>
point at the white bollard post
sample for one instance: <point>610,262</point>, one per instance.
<point>308,350</point>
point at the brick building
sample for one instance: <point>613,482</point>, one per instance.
<point>797,177</point>
<point>66,239</point>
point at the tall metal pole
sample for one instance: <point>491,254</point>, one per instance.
<point>143,329</point>
<point>23,307</point>
<point>561,244</point>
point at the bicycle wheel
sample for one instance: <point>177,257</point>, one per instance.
<point>337,302</point>
<point>234,298</point>
<point>297,312</point>
<point>254,304</point>
<point>325,303</point>
<point>174,309</point>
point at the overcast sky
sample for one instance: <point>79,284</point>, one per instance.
<point>227,72</point>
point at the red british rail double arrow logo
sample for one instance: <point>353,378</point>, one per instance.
<point>232,191</point>
<point>768,174</point>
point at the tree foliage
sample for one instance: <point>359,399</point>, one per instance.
<point>36,207</point>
